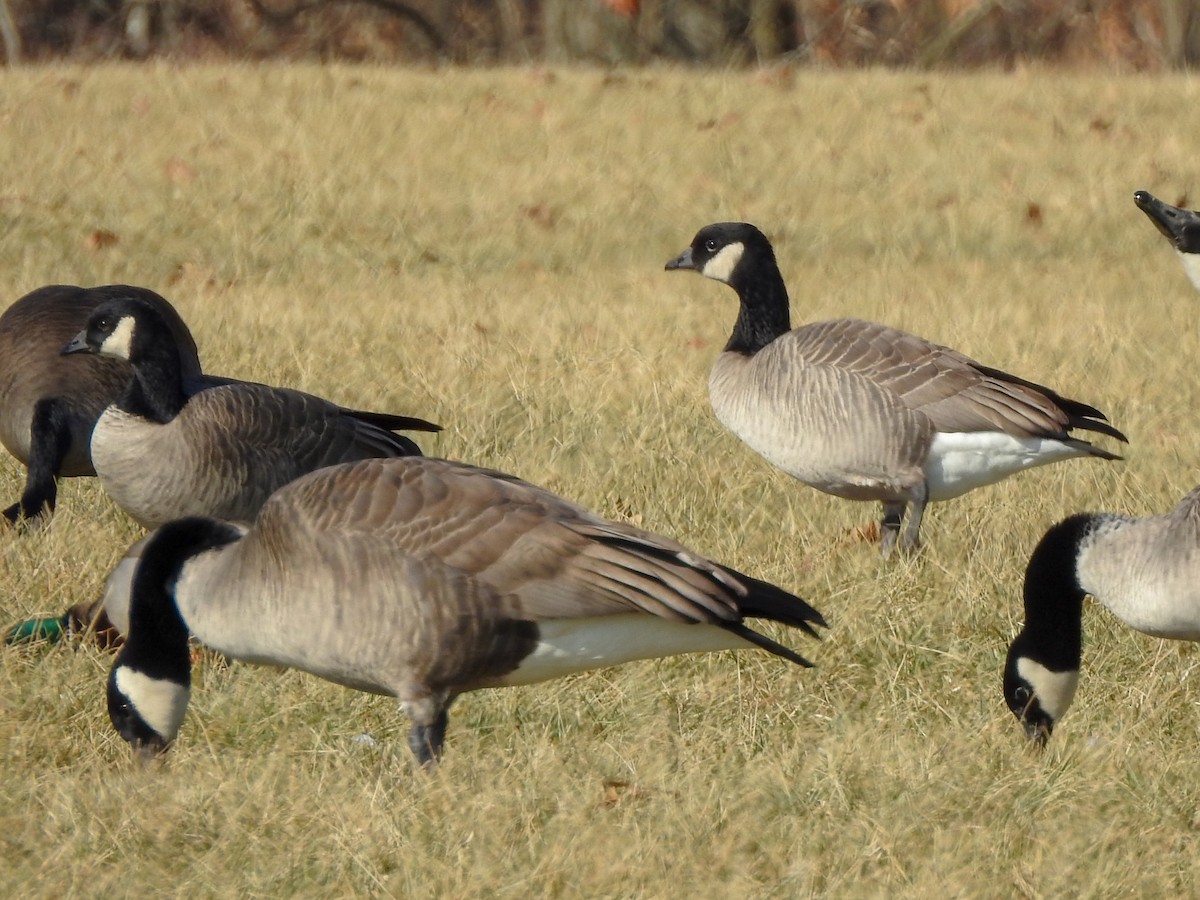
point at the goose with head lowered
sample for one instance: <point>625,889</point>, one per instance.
<point>868,412</point>
<point>1179,226</point>
<point>422,579</point>
<point>1145,571</point>
<point>49,405</point>
<point>162,454</point>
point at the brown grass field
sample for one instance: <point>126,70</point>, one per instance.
<point>485,249</point>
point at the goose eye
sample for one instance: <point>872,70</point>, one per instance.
<point>711,245</point>
<point>105,324</point>
<point>1022,695</point>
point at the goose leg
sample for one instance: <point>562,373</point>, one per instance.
<point>50,439</point>
<point>426,741</point>
<point>889,526</point>
<point>912,533</point>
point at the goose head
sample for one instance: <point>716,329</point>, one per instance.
<point>1179,226</point>
<point>122,328</point>
<point>1041,671</point>
<point>150,681</point>
<point>739,255</point>
<point>728,252</point>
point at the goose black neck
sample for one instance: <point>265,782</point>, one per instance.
<point>157,641</point>
<point>765,313</point>
<point>156,390</point>
<point>1053,633</point>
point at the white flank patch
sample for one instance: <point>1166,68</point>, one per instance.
<point>962,461</point>
<point>118,343</point>
<point>1054,690</point>
<point>720,267</point>
<point>576,645</point>
<point>1191,265</point>
<point>160,703</point>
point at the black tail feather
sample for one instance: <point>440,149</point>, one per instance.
<point>1081,415</point>
<point>767,601</point>
<point>764,642</point>
<point>393,423</point>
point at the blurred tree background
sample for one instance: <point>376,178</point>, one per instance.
<point>1131,34</point>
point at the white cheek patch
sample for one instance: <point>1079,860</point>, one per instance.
<point>1054,690</point>
<point>160,703</point>
<point>720,267</point>
<point>120,342</point>
<point>1191,265</point>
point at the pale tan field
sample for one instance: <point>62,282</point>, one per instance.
<point>485,249</point>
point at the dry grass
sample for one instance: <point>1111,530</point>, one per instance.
<point>485,249</point>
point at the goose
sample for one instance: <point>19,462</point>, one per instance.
<point>422,579</point>
<point>867,412</point>
<point>1146,571</point>
<point>163,455</point>
<point>49,405</point>
<point>1180,226</point>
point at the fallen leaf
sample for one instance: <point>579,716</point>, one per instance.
<point>541,214</point>
<point>191,273</point>
<point>99,240</point>
<point>864,534</point>
<point>626,8</point>
<point>179,171</point>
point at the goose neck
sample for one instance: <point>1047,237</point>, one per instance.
<point>156,390</point>
<point>764,314</point>
<point>1054,594</point>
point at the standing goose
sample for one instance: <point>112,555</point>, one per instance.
<point>49,405</point>
<point>1180,226</point>
<point>162,455</point>
<point>1146,571</point>
<point>868,412</point>
<point>422,579</point>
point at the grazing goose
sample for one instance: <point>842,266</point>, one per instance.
<point>422,579</point>
<point>162,455</point>
<point>1146,571</point>
<point>867,412</point>
<point>1180,226</point>
<point>49,405</point>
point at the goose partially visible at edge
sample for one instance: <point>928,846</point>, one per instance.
<point>422,579</point>
<point>162,454</point>
<point>1179,226</point>
<point>1146,571</point>
<point>49,405</point>
<point>868,412</point>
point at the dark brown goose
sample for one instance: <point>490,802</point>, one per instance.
<point>868,412</point>
<point>162,454</point>
<point>49,405</point>
<point>1179,226</point>
<point>422,579</point>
